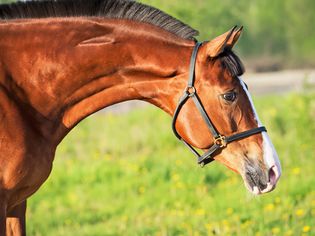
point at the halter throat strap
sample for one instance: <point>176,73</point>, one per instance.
<point>219,141</point>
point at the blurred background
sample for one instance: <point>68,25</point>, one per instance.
<point>122,172</point>
<point>277,35</point>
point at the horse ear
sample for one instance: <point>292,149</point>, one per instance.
<point>220,43</point>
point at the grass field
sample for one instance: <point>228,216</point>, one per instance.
<point>128,175</point>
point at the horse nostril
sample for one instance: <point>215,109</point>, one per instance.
<point>262,186</point>
<point>272,175</point>
<point>256,178</point>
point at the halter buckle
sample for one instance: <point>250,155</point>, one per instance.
<point>220,141</point>
<point>190,91</point>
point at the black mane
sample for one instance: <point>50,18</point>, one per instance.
<point>117,9</point>
<point>232,62</point>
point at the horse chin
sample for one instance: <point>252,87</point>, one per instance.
<point>255,190</point>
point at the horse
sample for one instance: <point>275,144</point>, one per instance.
<point>62,60</point>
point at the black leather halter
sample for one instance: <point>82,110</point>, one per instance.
<point>219,141</point>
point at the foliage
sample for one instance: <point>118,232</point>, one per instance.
<point>128,175</point>
<point>279,32</point>
<point>274,30</point>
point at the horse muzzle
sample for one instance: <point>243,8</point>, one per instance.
<point>259,181</point>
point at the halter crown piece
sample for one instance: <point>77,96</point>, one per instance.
<point>219,141</point>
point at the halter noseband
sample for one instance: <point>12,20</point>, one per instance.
<point>219,141</point>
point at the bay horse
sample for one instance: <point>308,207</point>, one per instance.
<point>61,61</point>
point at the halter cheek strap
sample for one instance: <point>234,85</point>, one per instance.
<point>219,141</point>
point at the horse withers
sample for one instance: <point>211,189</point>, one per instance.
<point>61,61</point>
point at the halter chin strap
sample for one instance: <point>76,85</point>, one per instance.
<point>219,141</point>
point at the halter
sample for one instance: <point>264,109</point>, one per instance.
<point>219,141</point>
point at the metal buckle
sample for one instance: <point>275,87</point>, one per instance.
<point>190,90</point>
<point>220,141</point>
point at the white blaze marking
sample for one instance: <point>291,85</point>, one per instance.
<point>270,155</point>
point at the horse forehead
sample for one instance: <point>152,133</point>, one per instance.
<point>218,74</point>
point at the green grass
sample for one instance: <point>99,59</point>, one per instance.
<point>128,175</point>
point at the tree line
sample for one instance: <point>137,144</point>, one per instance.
<point>275,32</point>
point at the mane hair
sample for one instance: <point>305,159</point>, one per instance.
<point>113,9</point>
<point>232,62</point>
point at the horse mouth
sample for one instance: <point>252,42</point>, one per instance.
<point>258,182</point>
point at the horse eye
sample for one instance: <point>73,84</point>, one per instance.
<point>230,96</point>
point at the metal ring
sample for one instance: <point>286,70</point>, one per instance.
<point>190,90</point>
<point>220,141</point>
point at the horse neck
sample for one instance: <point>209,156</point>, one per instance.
<point>100,63</point>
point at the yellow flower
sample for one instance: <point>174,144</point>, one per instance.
<point>179,213</point>
<point>73,197</point>
<point>108,157</point>
<point>236,217</point>
<point>200,212</point>
<point>229,211</point>
<point>208,226</point>
<point>175,177</point>
<point>289,233</point>
<point>273,112</point>
<point>141,189</point>
<point>275,230</point>
<point>296,171</point>
<point>134,167</point>
<point>96,155</point>
<point>173,212</point>
<point>225,222</point>
<point>179,185</point>
<point>178,204</point>
<point>269,207</point>
<point>306,228</point>
<point>178,162</point>
<point>299,212</point>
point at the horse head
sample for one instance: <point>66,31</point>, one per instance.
<point>245,147</point>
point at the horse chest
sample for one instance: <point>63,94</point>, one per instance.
<point>25,157</point>
<point>25,173</point>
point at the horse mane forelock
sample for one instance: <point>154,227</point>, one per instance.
<point>232,62</point>
<point>114,9</point>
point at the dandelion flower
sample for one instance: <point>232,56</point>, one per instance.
<point>141,189</point>
<point>200,212</point>
<point>289,233</point>
<point>275,230</point>
<point>175,177</point>
<point>269,207</point>
<point>296,171</point>
<point>306,228</point>
<point>230,211</point>
<point>299,212</point>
